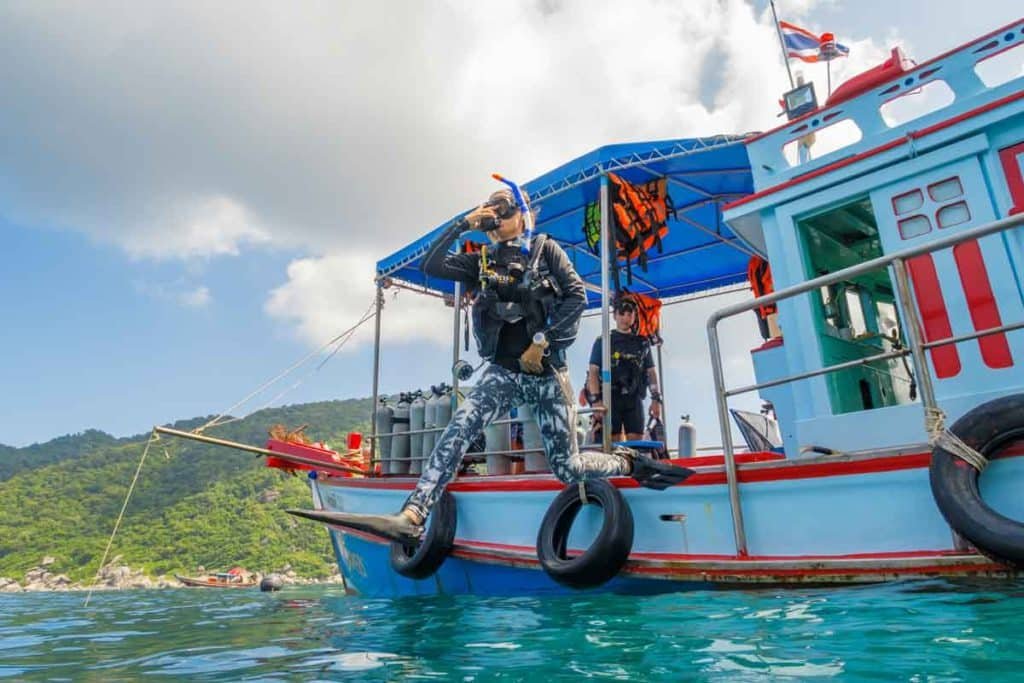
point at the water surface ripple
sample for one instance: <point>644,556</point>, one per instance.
<point>912,631</point>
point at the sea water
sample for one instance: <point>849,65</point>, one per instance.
<point>910,631</point>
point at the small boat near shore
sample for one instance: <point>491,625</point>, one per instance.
<point>233,578</point>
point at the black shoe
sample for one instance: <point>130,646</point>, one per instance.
<point>392,527</point>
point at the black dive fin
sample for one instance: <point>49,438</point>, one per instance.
<point>392,527</point>
<point>658,475</point>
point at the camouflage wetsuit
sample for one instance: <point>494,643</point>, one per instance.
<point>503,386</point>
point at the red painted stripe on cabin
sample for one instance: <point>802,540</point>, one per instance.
<point>932,308</point>
<point>1010,159</point>
<point>841,163</point>
<point>783,473</point>
<point>981,303</point>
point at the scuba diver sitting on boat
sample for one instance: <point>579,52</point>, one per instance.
<point>528,300</point>
<point>633,372</point>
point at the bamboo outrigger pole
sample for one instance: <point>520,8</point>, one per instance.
<point>266,452</point>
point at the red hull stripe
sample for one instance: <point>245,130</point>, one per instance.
<point>995,350</point>
<point>781,473</point>
<point>911,135</point>
<point>934,317</point>
<point>525,556</point>
<point>725,574</point>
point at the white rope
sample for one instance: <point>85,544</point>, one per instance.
<point>124,506</point>
<point>309,374</point>
<point>940,437</point>
<point>218,421</point>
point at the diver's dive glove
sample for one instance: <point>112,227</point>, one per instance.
<point>532,360</point>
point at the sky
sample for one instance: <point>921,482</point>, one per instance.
<point>193,195</point>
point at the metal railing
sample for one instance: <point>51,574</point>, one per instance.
<point>916,347</point>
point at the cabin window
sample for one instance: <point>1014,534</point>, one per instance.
<point>857,318</point>
<point>855,313</point>
<point>908,201</point>
<point>945,190</point>
<point>1001,67</point>
<point>953,214</point>
<point>822,141</point>
<point>919,102</point>
<point>886,318</point>
<point>914,226</point>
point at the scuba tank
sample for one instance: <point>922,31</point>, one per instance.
<point>417,418</point>
<point>534,462</point>
<point>496,438</point>
<point>444,406</point>
<point>429,422</point>
<point>687,438</point>
<point>400,442</point>
<point>382,418</point>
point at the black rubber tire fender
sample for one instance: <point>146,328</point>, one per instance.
<point>423,560</point>
<point>987,429</point>
<point>606,556</point>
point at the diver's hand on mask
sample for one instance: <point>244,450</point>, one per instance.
<point>481,214</point>
<point>532,359</point>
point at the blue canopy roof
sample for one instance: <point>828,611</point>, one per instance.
<point>699,253</point>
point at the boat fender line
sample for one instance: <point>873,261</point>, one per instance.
<point>985,430</point>
<point>606,556</point>
<point>426,558</point>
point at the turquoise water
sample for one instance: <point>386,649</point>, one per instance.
<point>910,631</point>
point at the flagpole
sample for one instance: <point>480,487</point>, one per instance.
<point>782,44</point>
<point>828,66</point>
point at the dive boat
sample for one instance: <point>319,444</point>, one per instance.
<point>894,366</point>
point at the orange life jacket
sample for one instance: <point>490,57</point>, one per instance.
<point>639,218</point>
<point>760,277</point>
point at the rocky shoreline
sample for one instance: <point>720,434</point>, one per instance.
<point>118,576</point>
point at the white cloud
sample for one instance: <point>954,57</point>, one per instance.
<point>196,298</point>
<point>346,130</point>
<point>191,130</point>
<point>177,292</point>
<point>207,227</point>
<point>325,296</point>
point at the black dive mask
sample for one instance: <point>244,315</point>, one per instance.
<point>503,205</point>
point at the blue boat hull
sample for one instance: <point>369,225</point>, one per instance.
<point>818,521</point>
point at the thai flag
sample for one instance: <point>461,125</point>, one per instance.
<point>804,45</point>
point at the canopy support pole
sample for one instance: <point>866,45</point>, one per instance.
<point>606,341</point>
<point>457,307</point>
<point>661,385</point>
<point>379,304</point>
